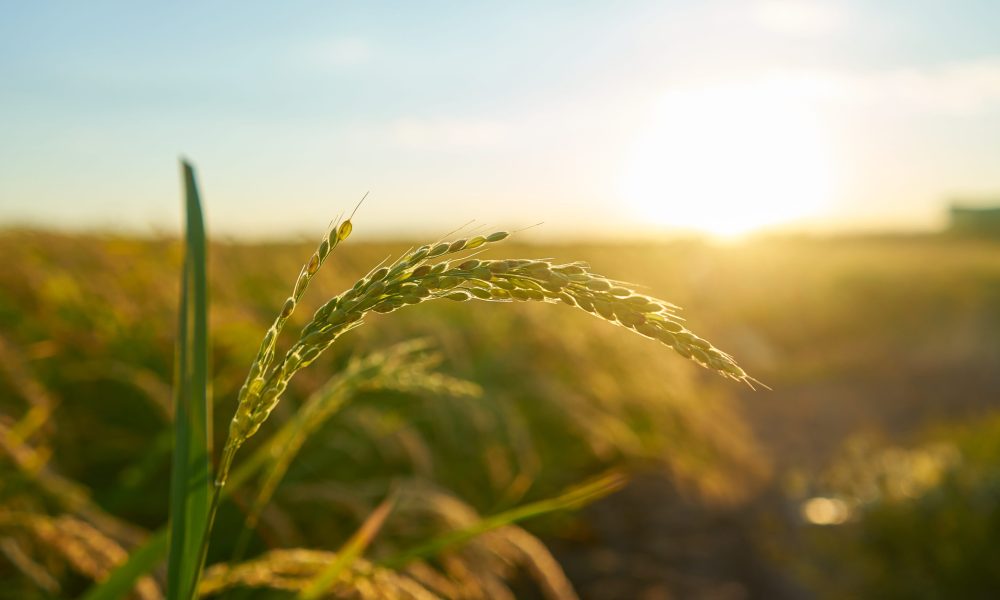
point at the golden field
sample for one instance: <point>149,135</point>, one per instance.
<point>869,467</point>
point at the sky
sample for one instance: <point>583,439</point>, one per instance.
<point>600,119</point>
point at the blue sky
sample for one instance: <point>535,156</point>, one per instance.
<point>594,117</point>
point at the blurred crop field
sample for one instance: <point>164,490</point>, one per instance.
<point>870,469</point>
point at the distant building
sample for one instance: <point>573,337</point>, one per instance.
<point>966,220</point>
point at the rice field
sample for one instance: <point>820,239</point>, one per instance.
<point>472,449</point>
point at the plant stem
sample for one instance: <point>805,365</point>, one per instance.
<point>205,537</point>
<point>226,462</point>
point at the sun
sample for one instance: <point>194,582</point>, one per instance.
<point>729,160</point>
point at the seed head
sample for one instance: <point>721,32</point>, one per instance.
<point>420,271</point>
<point>643,304</point>
<point>344,231</point>
<point>324,311</point>
<point>300,284</point>
<point>666,337</point>
<point>570,270</point>
<point>268,338</point>
<point>699,355</point>
<point>497,236</point>
<point>481,293</point>
<point>672,326</point>
<point>313,264</point>
<point>287,309</point>
<point>407,281</point>
<point>631,319</point>
<point>604,309</point>
<point>420,253</point>
<point>449,282</point>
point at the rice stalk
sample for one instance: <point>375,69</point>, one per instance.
<point>87,550</point>
<point>433,272</point>
<point>400,368</point>
<point>426,274</point>
<point>293,569</point>
<point>266,352</point>
<point>405,367</point>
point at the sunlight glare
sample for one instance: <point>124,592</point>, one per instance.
<point>729,159</point>
<point>825,511</point>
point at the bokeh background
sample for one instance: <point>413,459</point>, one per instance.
<point>816,182</point>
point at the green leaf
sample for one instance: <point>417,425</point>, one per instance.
<point>190,484</point>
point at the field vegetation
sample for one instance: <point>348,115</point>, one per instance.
<point>447,442</point>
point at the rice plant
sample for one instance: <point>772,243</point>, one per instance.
<point>432,272</point>
<point>424,537</point>
<point>443,270</point>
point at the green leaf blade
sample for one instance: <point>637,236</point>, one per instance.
<point>190,496</point>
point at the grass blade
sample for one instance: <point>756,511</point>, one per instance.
<point>191,472</point>
<point>350,551</point>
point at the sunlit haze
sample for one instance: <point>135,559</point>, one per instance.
<point>716,117</point>
<point>732,158</point>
